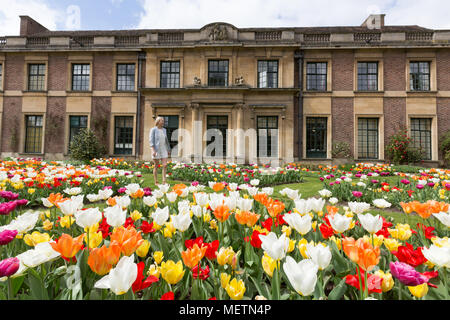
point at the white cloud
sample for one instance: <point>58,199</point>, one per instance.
<point>298,13</point>
<point>39,10</point>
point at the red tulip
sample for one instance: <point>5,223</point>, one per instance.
<point>141,284</point>
<point>168,296</point>
<point>408,255</point>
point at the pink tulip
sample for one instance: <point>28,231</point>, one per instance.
<point>419,186</point>
<point>406,274</point>
<point>8,267</point>
<point>6,236</point>
<point>357,194</point>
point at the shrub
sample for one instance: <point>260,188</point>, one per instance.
<point>400,150</point>
<point>85,146</point>
<point>445,147</point>
<point>341,150</point>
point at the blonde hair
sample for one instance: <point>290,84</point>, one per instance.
<point>158,119</point>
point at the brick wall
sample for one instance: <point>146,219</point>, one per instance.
<point>443,116</point>
<point>100,119</point>
<point>342,66</point>
<point>11,124</point>
<point>443,69</point>
<point>57,72</point>
<point>14,69</point>
<point>54,125</point>
<point>342,121</point>
<point>394,110</point>
<point>394,70</point>
<point>28,26</point>
<point>103,71</point>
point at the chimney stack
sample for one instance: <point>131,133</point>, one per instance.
<point>374,21</point>
<point>28,26</point>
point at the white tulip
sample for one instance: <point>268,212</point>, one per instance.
<point>439,256</point>
<point>93,197</point>
<point>115,216</point>
<point>381,203</point>
<point>72,205</point>
<point>358,207</point>
<point>233,186</point>
<point>303,206</point>
<point>320,254</point>
<point>171,196</point>
<point>254,182</point>
<point>105,194</point>
<point>333,201</point>
<point>245,204</point>
<point>87,218</point>
<point>73,191</point>
<point>132,188</point>
<point>123,201</point>
<point>41,253</point>
<point>275,247</point>
<point>370,223</point>
<point>164,187</point>
<point>47,203</point>
<point>197,211</point>
<point>121,278</point>
<point>301,275</point>
<point>231,203</point>
<point>181,221</point>
<point>339,222</point>
<point>325,193</point>
<point>267,190</point>
<point>302,224</point>
<point>252,191</point>
<point>23,223</point>
<point>160,216</point>
<point>291,194</point>
<point>201,198</point>
<point>158,194</point>
<point>443,217</point>
<point>149,201</point>
<point>316,204</point>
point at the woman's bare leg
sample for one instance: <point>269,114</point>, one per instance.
<point>155,171</point>
<point>164,166</point>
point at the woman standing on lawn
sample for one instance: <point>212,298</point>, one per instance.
<point>160,148</point>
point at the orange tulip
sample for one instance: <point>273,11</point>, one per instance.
<point>407,208</point>
<point>67,246</point>
<point>111,202</point>
<point>56,198</point>
<point>101,260</point>
<point>247,218</point>
<point>275,208</point>
<point>361,252</point>
<point>138,194</point>
<point>222,212</point>
<point>128,239</point>
<point>261,198</point>
<point>193,256</point>
<point>332,210</point>
<point>218,187</point>
<point>178,188</point>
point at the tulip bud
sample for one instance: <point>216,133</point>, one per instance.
<point>142,250</point>
<point>419,291</point>
<point>9,266</point>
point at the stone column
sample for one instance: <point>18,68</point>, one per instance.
<point>196,134</point>
<point>240,137</point>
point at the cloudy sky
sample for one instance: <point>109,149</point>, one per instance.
<point>143,14</point>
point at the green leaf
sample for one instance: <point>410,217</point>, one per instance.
<point>36,285</point>
<point>338,291</point>
<point>17,284</point>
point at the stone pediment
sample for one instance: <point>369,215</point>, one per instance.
<point>219,32</point>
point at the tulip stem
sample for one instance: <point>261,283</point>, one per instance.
<point>10,289</point>
<point>360,283</point>
<point>366,289</point>
<point>400,291</point>
<point>445,282</point>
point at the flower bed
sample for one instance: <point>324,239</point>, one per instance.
<point>232,242</point>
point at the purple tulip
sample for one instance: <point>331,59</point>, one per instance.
<point>107,187</point>
<point>122,190</point>
<point>332,175</point>
<point>369,174</point>
<point>406,274</point>
<point>6,236</point>
<point>331,183</point>
<point>374,181</point>
<point>338,182</point>
<point>404,181</point>
<point>8,195</point>
<point>147,191</point>
<point>358,175</point>
<point>321,178</point>
<point>447,186</point>
<point>430,184</point>
<point>7,207</point>
<point>357,194</point>
<point>419,186</point>
<point>9,266</point>
<point>21,202</point>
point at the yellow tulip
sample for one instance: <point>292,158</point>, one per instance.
<point>401,232</point>
<point>172,272</point>
<point>314,225</point>
<point>286,230</point>
<point>206,217</point>
<point>31,190</point>
<point>153,270</point>
<point>213,225</point>
<point>142,250</point>
<point>158,256</point>
<point>95,238</point>
<point>235,289</point>
<point>35,238</point>
<point>47,225</point>
<point>67,221</point>
<point>337,241</point>
<point>388,282</point>
<point>391,244</point>
<point>224,279</point>
<point>225,256</point>
<point>441,242</point>
<point>419,291</point>
<point>268,264</point>
<point>136,215</point>
<point>302,247</point>
<point>291,245</point>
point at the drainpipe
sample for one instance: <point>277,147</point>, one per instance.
<point>141,58</point>
<point>299,56</point>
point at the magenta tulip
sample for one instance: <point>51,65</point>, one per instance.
<point>357,194</point>
<point>6,236</point>
<point>8,267</point>
<point>406,274</point>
